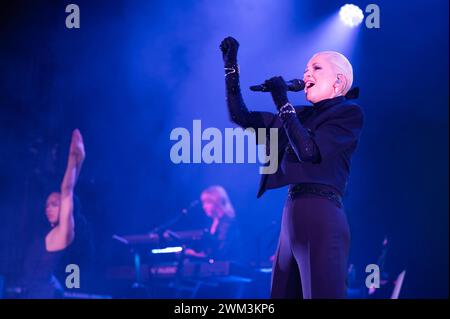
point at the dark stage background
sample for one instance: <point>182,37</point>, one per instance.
<point>137,69</point>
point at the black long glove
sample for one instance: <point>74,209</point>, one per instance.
<point>278,89</point>
<point>229,48</point>
<point>239,113</point>
<point>300,140</point>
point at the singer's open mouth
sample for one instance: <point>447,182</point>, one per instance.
<point>309,85</point>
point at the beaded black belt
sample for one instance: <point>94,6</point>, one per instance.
<point>313,189</point>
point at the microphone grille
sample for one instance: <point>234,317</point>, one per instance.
<point>296,85</point>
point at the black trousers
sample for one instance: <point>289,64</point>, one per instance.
<point>312,253</point>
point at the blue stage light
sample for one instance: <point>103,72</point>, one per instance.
<point>351,15</point>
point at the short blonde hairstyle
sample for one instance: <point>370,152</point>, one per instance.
<point>342,66</point>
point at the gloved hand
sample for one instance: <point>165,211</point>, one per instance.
<point>278,88</point>
<point>229,47</point>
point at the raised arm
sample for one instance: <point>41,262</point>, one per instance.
<point>237,109</point>
<point>63,233</point>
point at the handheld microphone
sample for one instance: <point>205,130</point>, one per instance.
<point>294,85</point>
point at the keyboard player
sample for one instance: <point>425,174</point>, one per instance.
<point>222,241</point>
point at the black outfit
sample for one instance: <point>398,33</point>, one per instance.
<point>44,272</point>
<point>222,245</point>
<point>315,145</point>
<point>39,279</point>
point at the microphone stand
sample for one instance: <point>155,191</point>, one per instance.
<point>135,251</point>
<point>163,227</point>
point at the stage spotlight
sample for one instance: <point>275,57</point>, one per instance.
<point>351,15</point>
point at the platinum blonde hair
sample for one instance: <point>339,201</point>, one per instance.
<point>342,66</point>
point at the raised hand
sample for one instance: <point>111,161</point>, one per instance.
<point>77,152</point>
<point>278,88</point>
<point>229,47</point>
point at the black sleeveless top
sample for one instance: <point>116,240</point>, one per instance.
<point>39,280</point>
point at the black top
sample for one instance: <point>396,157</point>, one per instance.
<point>315,145</point>
<point>44,272</point>
<point>38,278</point>
<point>223,244</point>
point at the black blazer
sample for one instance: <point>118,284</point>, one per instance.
<point>333,126</point>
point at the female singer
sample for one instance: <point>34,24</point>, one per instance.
<point>315,148</point>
